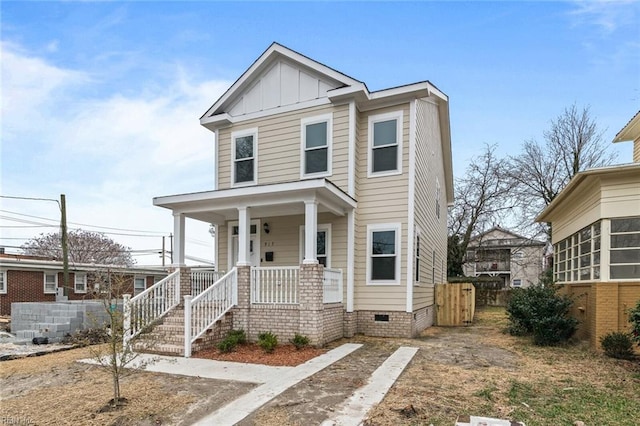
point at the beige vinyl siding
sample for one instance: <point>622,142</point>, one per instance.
<point>620,197</point>
<point>582,208</point>
<point>380,200</point>
<point>283,240</point>
<point>279,146</point>
<point>636,151</point>
<point>433,230</point>
<point>223,258</point>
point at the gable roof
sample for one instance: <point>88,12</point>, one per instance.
<point>505,234</point>
<point>274,55</point>
<point>631,131</point>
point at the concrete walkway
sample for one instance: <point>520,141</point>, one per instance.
<point>275,380</point>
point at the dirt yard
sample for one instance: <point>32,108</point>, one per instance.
<point>475,370</point>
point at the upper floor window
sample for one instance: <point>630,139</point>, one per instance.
<point>316,145</point>
<point>244,156</point>
<point>383,254</point>
<point>385,144</point>
<point>3,282</point>
<point>50,282</point>
<point>438,195</point>
<point>80,283</point>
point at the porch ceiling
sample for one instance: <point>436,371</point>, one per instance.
<point>280,199</point>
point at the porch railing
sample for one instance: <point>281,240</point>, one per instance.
<point>203,310</point>
<point>147,307</point>
<point>275,284</point>
<point>202,280</point>
<point>332,286</point>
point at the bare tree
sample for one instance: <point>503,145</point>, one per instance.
<point>84,247</point>
<point>482,199</point>
<point>572,144</point>
<point>116,355</point>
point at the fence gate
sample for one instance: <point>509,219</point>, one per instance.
<point>455,304</point>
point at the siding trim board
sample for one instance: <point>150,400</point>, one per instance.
<point>411,205</point>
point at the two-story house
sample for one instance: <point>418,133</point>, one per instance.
<point>329,202</point>
<point>518,261</point>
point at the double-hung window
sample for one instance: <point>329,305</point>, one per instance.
<point>139,285</point>
<point>383,254</point>
<point>3,282</point>
<point>244,158</point>
<point>80,283</point>
<point>316,146</point>
<point>50,282</point>
<point>385,144</point>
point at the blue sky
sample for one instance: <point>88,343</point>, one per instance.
<point>101,100</point>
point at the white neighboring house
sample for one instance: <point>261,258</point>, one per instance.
<point>518,261</point>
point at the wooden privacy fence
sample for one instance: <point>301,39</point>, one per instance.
<point>455,304</point>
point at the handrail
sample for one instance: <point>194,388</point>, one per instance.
<point>276,285</point>
<point>203,310</point>
<point>147,307</point>
<point>332,286</point>
<point>201,280</point>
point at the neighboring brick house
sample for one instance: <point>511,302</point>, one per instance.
<point>596,239</point>
<point>329,201</point>
<point>36,279</point>
<point>518,261</point>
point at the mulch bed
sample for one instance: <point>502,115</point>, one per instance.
<point>283,355</point>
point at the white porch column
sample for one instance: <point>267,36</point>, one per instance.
<point>244,222</point>
<point>178,237</point>
<point>310,232</point>
<point>351,238</point>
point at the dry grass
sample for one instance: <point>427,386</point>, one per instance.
<point>544,386</point>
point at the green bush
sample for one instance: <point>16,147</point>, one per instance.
<point>540,311</point>
<point>267,341</point>
<point>233,339</point>
<point>634,319</point>
<point>617,345</point>
<point>299,341</point>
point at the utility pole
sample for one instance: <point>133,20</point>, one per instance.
<point>65,248</point>
<point>163,250</point>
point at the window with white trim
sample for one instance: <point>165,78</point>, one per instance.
<point>80,283</point>
<point>50,282</point>
<point>577,258</point>
<point>316,145</point>
<point>3,282</point>
<point>244,157</point>
<point>323,244</point>
<point>517,283</point>
<point>139,285</point>
<point>438,195</point>
<point>417,262</point>
<point>624,256</point>
<point>385,144</point>
<point>383,254</point>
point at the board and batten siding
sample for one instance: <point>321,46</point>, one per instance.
<point>380,200</point>
<point>433,230</point>
<point>279,146</point>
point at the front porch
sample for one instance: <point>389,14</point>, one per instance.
<point>191,310</point>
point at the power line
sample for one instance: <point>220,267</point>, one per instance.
<point>159,234</point>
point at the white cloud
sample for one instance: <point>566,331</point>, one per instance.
<point>608,15</point>
<point>111,154</point>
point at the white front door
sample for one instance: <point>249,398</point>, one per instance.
<point>254,257</point>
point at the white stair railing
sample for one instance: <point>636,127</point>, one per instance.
<point>275,284</point>
<point>203,310</point>
<point>202,280</point>
<point>147,307</point>
<point>332,286</point>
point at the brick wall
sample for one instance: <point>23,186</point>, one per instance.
<point>333,322</point>
<point>281,320</point>
<point>602,308</point>
<point>422,318</point>
<point>399,324</point>
<point>24,286</point>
